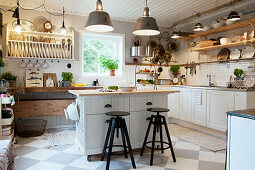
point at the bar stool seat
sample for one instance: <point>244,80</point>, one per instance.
<point>117,113</point>
<point>158,121</point>
<point>115,124</point>
<point>158,110</point>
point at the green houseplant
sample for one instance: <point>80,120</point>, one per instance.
<point>175,69</point>
<point>109,64</point>
<point>67,79</point>
<point>238,73</point>
<point>2,65</point>
<point>10,78</point>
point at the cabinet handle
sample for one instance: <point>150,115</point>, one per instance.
<point>107,106</point>
<point>148,103</point>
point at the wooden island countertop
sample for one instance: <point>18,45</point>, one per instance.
<point>135,92</point>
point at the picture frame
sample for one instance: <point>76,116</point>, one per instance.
<point>137,41</point>
<point>34,78</point>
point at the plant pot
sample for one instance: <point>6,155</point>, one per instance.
<point>66,83</point>
<point>1,70</point>
<point>112,72</point>
<point>12,83</point>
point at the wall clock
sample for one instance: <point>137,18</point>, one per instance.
<point>47,26</point>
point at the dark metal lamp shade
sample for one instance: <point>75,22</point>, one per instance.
<point>175,35</point>
<point>198,27</point>
<point>146,25</point>
<point>233,16</point>
<point>16,13</point>
<point>99,21</point>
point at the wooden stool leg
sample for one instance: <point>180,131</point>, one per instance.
<point>111,144</point>
<point>124,142</point>
<point>128,143</point>
<point>161,134</point>
<point>169,139</point>
<point>106,140</point>
<point>153,140</point>
<point>146,136</point>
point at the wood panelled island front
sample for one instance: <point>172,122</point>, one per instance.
<point>91,127</point>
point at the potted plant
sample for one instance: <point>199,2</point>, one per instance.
<point>67,79</point>
<point>238,73</point>
<point>10,78</point>
<point>2,64</point>
<point>109,64</point>
<point>175,69</point>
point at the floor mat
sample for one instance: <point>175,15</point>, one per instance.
<point>61,137</point>
<point>206,141</point>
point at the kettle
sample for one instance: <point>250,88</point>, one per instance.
<point>71,112</point>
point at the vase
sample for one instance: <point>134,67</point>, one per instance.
<point>112,72</point>
<point>66,83</point>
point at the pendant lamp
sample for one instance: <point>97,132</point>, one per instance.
<point>63,28</point>
<point>146,25</point>
<point>99,20</point>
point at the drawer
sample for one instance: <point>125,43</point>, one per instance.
<point>96,105</point>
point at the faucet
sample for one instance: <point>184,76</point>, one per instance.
<point>210,80</point>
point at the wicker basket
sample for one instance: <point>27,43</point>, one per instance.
<point>239,84</point>
<point>30,127</point>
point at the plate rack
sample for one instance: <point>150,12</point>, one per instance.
<point>39,45</point>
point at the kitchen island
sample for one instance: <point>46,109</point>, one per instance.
<point>241,136</point>
<point>91,127</point>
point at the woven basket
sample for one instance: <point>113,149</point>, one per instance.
<point>30,127</point>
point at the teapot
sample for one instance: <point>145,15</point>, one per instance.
<point>71,112</point>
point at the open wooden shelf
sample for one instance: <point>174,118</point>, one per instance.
<point>226,28</point>
<point>235,44</point>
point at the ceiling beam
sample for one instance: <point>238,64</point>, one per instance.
<point>205,12</point>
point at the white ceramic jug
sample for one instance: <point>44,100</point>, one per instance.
<point>71,112</point>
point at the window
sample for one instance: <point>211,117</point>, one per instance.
<point>95,46</point>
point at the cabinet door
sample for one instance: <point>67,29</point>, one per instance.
<point>185,104</point>
<point>95,128</point>
<point>218,103</point>
<point>96,105</point>
<point>199,106</point>
<point>174,105</point>
<point>120,103</point>
<point>240,100</point>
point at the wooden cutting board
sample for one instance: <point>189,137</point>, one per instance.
<point>53,77</point>
<point>223,54</point>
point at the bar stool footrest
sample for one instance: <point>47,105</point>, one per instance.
<point>117,151</point>
<point>159,143</point>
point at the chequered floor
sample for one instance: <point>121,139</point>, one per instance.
<point>34,154</point>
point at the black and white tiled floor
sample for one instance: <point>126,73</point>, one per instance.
<point>34,154</point>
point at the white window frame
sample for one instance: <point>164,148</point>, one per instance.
<point>116,36</point>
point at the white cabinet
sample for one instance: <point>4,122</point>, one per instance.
<point>174,104</point>
<point>240,100</point>
<point>218,103</point>
<point>185,104</point>
<point>240,150</point>
<point>198,106</point>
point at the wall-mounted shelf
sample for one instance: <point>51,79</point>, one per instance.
<point>39,45</point>
<point>235,44</point>
<point>219,61</point>
<point>226,28</point>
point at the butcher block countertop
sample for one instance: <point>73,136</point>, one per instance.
<point>22,90</point>
<point>98,93</point>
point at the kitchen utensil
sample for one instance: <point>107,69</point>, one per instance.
<point>37,64</point>
<point>247,52</point>
<point>30,64</point>
<point>71,112</point>
<point>127,88</point>
<point>235,54</point>
<point>223,54</point>
<point>172,46</point>
<point>22,64</point>
<point>39,23</point>
<point>45,65</point>
<point>249,81</point>
<point>25,25</point>
<point>225,41</point>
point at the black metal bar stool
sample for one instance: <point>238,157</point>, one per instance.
<point>116,123</point>
<point>157,120</point>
